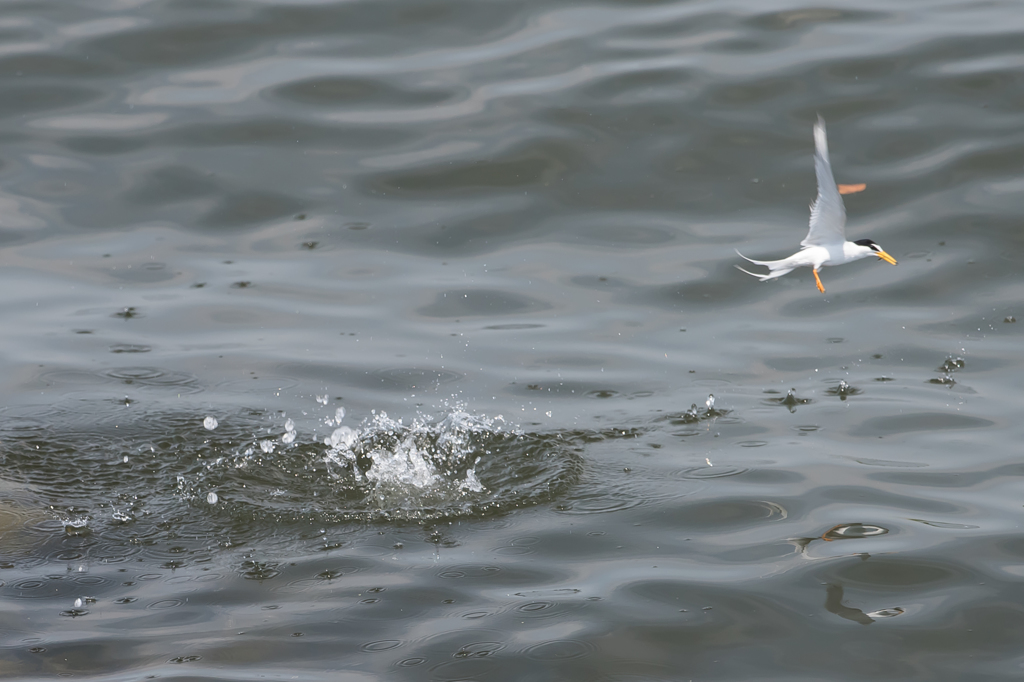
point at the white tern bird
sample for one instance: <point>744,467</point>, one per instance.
<point>825,243</point>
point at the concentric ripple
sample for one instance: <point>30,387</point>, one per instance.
<point>115,487</point>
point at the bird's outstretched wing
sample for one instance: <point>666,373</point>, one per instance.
<point>828,216</point>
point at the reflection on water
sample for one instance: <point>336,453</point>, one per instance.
<point>403,340</point>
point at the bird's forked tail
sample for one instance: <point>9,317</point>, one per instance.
<point>777,268</point>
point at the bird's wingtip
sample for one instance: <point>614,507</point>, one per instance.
<point>820,138</point>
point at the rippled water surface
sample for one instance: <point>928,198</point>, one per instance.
<point>402,340</point>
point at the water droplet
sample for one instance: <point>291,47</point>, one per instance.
<point>952,364</point>
<point>343,436</point>
<point>289,425</point>
<point>710,402</point>
<point>843,390</point>
<point>267,446</point>
<point>323,399</point>
<point>78,603</point>
<point>211,498</point>
<point>339,414</point>
<point>791,401</point>
<point>288,437</point>
<point>210,423</point>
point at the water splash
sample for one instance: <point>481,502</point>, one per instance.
<point>695,414</point>
<point>424,461</point>
<point>289,435</point>
<point>944,380</point>
<point>386,468</point>
<point>843,390</point>
<point>791,401</point>
<point>952,364</point>
<point>75,523</point>
<point>241,483</point>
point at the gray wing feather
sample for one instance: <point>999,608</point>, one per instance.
<point>828,215</point>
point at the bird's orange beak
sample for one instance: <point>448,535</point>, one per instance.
<point>886,257</point>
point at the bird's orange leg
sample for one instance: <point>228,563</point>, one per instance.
<point>817,281</point>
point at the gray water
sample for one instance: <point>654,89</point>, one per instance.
<point>402,340</point>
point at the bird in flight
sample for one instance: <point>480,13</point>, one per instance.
<point>825,243</point>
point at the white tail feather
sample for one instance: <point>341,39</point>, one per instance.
<point>777,268</point>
